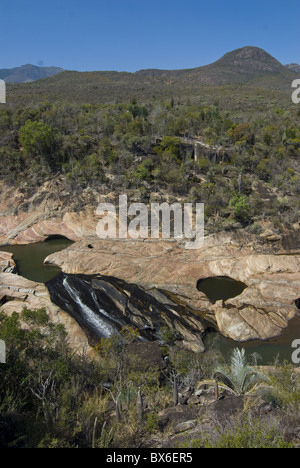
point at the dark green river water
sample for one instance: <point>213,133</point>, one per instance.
<point>280,348</point>
<point>220,288</point>
<point>30,258</point>
<point>276,349</point>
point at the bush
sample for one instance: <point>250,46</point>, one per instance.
<point>241,209</point>
<point>152,422</point>
<point>144,171</point>
<point>244,432</point>
<point>38,139</point>
<point>263,169</point>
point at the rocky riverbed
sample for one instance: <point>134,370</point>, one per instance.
<point>268,264</point>
<point>262,311</point>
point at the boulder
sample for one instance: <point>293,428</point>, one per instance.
<point>19,293</point>
<point>178,419</point>
<point>185,426</point>
<point>7,264</point>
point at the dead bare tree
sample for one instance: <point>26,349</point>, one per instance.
<point>172,376</point>
<point>116,400</point>
<point>44,389</point>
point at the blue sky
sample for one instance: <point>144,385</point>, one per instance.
<point>130,35</point>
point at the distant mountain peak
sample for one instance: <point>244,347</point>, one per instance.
<point>251,58</point>
<point>249,52</point>
<point>248,66</point>
<point>27,73</point>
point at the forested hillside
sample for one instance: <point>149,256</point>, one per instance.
<point>226,135</point>
<point>246,171</point>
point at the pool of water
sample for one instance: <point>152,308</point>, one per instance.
<point>220,288</point>
<point>269,351</point>
<point>224,288</point>
<point>30,259</point>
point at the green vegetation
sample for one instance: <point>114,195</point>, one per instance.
<point>52,397</point>
<point>247,432</point>
<point>239,378</point>
<point>91,130</point>
<point>246,170</point>
<point>213,135</point>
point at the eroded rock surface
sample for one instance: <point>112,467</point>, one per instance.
<point>261,312</point>
<point>32,215</point>
<point>268,264</point>
<point>17,293</point>
<point>7,264</point>
<point>103,306</point>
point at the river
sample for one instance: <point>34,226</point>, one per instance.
<point>30,264</point>
<point>30,258</point>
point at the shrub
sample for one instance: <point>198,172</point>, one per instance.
<point>244,432</point>
<point>152,422</point>
<point>241,209</point>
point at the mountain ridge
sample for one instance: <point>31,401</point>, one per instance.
<point>28,73</point>
<point>248,66</point>
<point>294,67</point>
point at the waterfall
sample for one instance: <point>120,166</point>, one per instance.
<point>103,306</point>
<point>103,327</point>
<point>103,312</point>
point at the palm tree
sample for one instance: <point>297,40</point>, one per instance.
<point>238,378</point>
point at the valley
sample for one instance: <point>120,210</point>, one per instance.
<point>114,342</point>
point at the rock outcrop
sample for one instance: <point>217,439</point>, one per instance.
<point>268,264</point>
<point>17,293</point>
<point>103,306</point>
<point>7,264</point>
<point>29,230</point>
<point>261,312</point>
<point>50,210</point>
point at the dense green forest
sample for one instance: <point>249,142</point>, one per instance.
<point>248,176</point>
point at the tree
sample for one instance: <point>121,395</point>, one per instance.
<point>43,388</point>
<point>170,149</point>
<point>241,209</point>
<point>144,171</point>
<point>140,405</point>
<point>38,140</point>
<point>136,110</point>
<point>263,170</point>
